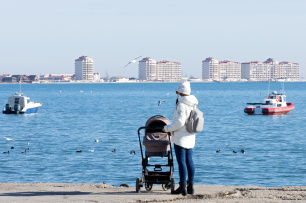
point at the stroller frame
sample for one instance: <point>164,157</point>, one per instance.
<point>157,176</point>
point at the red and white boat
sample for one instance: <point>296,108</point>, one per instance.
<point>274,104</point>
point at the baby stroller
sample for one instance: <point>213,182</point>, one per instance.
<point>157,144</point>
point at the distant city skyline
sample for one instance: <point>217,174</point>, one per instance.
<point>41,37</point>
<point>150,69</point>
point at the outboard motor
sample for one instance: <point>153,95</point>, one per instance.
<point>7,108</point>
<point>17,108</point>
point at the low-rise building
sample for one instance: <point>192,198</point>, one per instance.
<point>120,79</point>
<point>19,78</point>
<point>4,76</point>
<point>96,76</point>
<point>56,77</point>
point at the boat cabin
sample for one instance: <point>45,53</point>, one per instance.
<point>18,98</point>
<point>276,100</point>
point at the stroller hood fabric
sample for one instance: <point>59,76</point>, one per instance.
<point>156,142</point>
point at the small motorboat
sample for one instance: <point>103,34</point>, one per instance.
<point>20,104</point>
<point>274,104</point>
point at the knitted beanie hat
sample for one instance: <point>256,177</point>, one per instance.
<point>184,88</point>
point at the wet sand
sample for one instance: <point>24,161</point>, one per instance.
<point>63,192</point>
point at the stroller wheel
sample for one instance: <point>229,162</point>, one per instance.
<point>166,186</point>
<point>148,186</point>
<point>172,185</point>
<point>137,185</point>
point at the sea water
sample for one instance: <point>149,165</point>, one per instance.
<point>73,116</point>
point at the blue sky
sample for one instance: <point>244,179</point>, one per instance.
<point>40,37</point>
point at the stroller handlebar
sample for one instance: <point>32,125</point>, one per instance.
<point>150,127</point>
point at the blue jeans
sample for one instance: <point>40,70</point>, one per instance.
<point>185,163</point>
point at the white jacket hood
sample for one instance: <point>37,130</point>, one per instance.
<point>188,100</point>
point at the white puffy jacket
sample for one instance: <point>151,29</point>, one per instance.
<point>180,134</point>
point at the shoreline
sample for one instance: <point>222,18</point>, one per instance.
<point>150,82</point>
<point>96,192</point>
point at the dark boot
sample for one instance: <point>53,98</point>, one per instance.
<point>181,190</point>
<point>190,189</point>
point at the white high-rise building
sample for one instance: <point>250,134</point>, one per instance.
<point>255,70</point>
<point>84,68</point>
<point>149,69</point>
<point>268,70</point>
<point>169,71</point>
<point>210,69</point>
<point>273,67</point>
<point>230,70</point>
<point>289,70</point>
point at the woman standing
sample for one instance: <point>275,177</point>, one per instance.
<point>182,139</point>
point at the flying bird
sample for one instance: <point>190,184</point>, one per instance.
<point>160,101</point>
<point>133,61</point>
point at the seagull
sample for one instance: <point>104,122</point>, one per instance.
<point>132,152</point>
<point>96,140</point>
<point>79,151</point>
<point>218,151</point>
<point>91,150</point>
<point>9,139</point>
<point>242,151</point>
<point>133,61</point>
<point>234,152</point>
<point>160,101</point>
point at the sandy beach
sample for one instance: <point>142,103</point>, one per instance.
<point>63,192</point>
